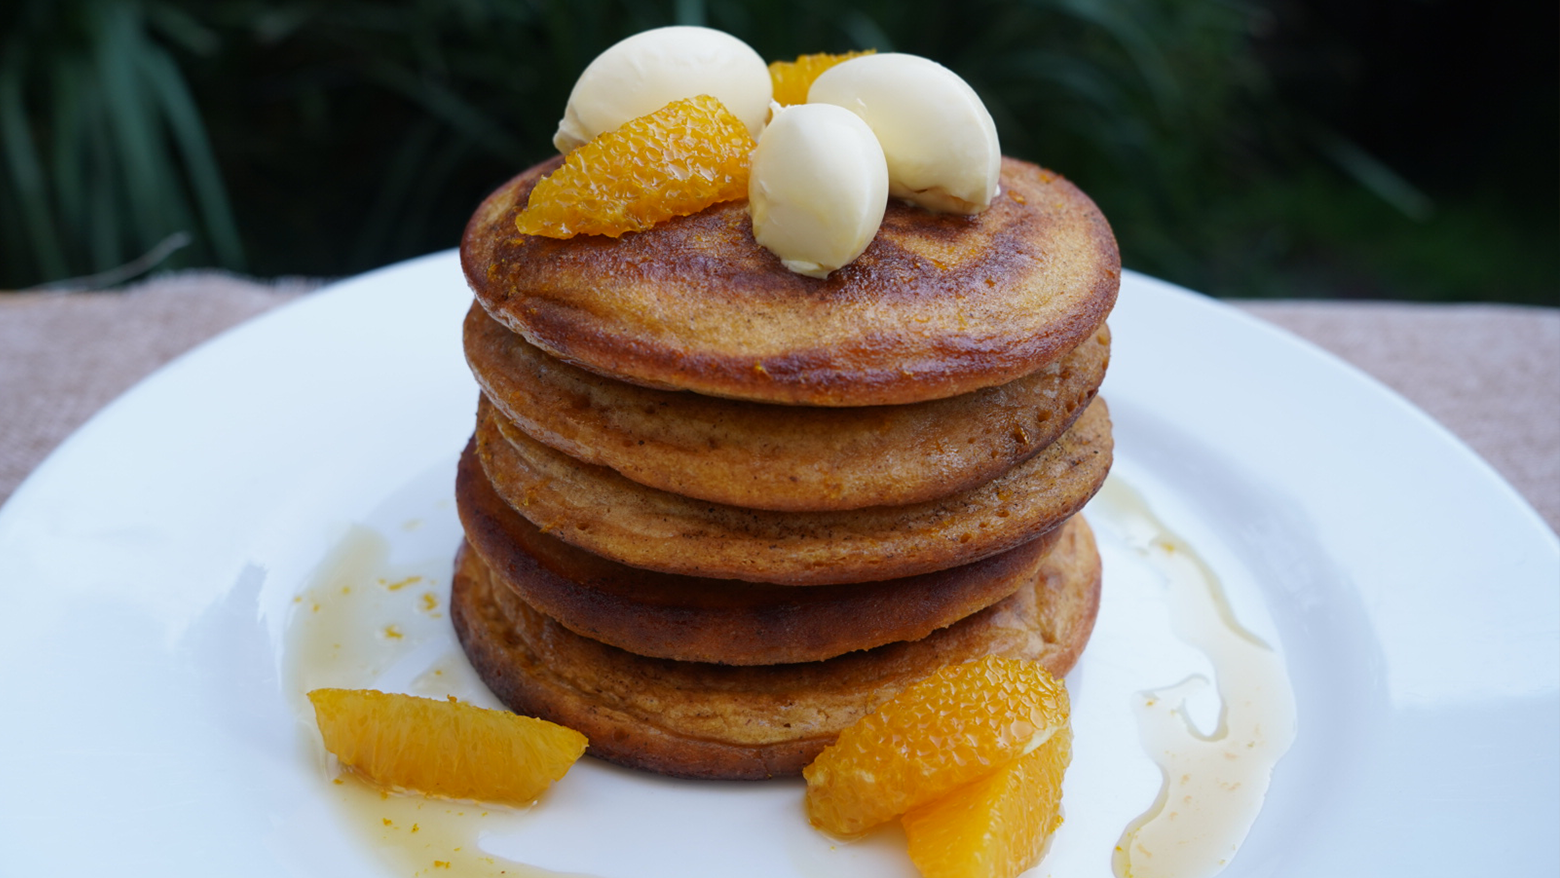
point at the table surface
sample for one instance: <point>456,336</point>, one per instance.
<point>1489,373</point>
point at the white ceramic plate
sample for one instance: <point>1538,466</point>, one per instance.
<point>151,571</point>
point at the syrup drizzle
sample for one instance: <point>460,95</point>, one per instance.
<point>1213,784</point>
<point>364,623</point>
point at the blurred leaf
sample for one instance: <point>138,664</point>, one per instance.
<point>391,203</point>
<point>134,125</point>
<point>865,32</point>
<point>184,119</point>
<point>690,12</point>
<point>104,146</point>
<point>1371,173</point>
<point>1127,28</point>
<point>331,136</point>
<point>182,28</point>
<point>122,273</point>
<point>27,174</point>
<point>454,110</point>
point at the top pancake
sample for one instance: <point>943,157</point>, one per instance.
<point>938,304</point>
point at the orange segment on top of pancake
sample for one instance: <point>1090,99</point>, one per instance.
<point>792,79</point>
<point>676,161</point>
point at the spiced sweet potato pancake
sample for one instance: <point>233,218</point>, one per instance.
<point>784,408</point>
<point>693,719</point>
<point>724,621</point>
<point>936,306</point>
<point>598,510</point>
<point>763,456</point>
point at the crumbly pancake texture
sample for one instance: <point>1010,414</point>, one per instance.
<point>724,621</point>
<point>600,511</point>
<point>692,719</point>
<point>797,458</point>
<point>937,305</point>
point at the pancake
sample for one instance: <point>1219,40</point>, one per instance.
<point>600,511</point>
<point>691,719</point>
<point>722,620</point>
<point>937,305</point>
<point>781,457</point>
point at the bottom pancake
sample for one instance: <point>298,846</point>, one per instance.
<point>691,719</point>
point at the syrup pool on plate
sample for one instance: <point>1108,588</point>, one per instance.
<point>374,614</point>
<point>1214,783</point>
<point>369,609</point>
<point>363,622</point>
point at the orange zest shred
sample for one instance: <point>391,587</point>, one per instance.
<point>792,79</point>
<point>996,827</point>
<point>677,161</point>
<point>444,748</point>
<point>958,726</point>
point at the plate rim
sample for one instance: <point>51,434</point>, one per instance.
<point>34,490</point>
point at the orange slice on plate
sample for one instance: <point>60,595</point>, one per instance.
<point>444,748</point>
<point>996,827</point>
<point>958,726</point>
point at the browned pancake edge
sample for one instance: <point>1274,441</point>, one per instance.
<point>937,305</point>
<point>597,509</point>
<point>795,458</point>
<point>722,621</point>
<point>691,719</point>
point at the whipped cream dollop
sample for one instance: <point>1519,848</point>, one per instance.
<point>939,139</point>
<point>649,70</point>
<point>818,187</point>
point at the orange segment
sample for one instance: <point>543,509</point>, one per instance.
<point>676,161</point>
<point>996,827</point>
<point>792,79</point>
<point>444,747</point>
<point>955,727</point>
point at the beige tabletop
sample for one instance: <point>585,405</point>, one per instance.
<point>1489,373</point>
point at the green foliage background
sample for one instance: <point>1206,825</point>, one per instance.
<point>325,138</point>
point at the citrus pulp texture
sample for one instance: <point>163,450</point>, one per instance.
<point>792,79</point>
<point>959,725</point>
<point>444,747</point>
<point>677,161</point>
<point>995,827</point>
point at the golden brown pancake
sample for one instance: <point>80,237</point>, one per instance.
<point>724,621</point>
<point>796,458</point>
<point>691,719</point>
<point>600,511</point>
<point>937,305</point>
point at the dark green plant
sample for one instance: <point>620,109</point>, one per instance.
<point>357,132</point>
<point>105,152</point>
<point>409,112</point>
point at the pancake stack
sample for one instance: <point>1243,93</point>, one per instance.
<point>715,511</point>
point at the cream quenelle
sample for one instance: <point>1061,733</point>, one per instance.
<point>895,125</point>
<point>649,70</point>
<point>818,187</point>
<point>939,139</point>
